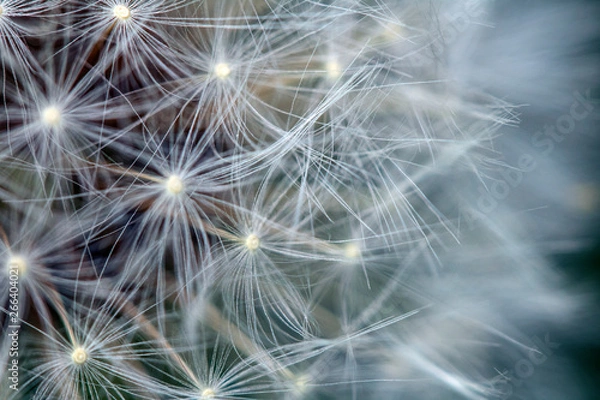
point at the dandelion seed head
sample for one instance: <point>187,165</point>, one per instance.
<point>18,263</point>
<point>122,12</point>
<point>51,116</point>
<point>207,393</point>
<point>302,120</point>
<point>174,185</point>
<point>252,242</point>
<point>222,70</point>
<point>79,355</point>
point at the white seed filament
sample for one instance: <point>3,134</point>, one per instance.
<point>252,242</point>
<point>122,12</point>
<point>51,116</point>
<point>79,356</point>
<point>222,70</point>
<point>174,185</point>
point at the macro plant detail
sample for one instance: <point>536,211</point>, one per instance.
<point>256,200</point>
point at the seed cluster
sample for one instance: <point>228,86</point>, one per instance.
<point>248,199</point>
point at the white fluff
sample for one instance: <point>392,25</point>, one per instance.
<point>293,199</point>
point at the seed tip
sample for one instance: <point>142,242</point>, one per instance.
<point>174,185</point>
<point>393,32</point>
<point>301,384</point>
<point>222,70</point>
<point>252,242</point>
<point>18,263</point>
<point>122,12</point>
<point>51,116</point>
<point>352,251</point>
<point>79,355</point>
<point>333,69</point>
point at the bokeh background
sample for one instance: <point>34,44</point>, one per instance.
<point>557,54</point>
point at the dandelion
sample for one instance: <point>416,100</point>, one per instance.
<point>93,359</point>
<point>206,200</point>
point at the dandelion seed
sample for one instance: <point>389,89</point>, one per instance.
<point>79,356</point>
<point>252,242</point>
<point>51,116</point>
<point>122,12</point>
<point>222,70</point>
<point>174,185</point>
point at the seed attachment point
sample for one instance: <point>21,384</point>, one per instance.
<point>222,70</point>
<point>207,394</point>
<point>333,69</point>
<point>174,185</point>
<point>300,385</point>
<point>17,263</point>
<point>79,356</point>
<point>393,32</point>
<point>352,251</point>
<point>252,242</point>
<point>51,116</point>
<point>122,12</point>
